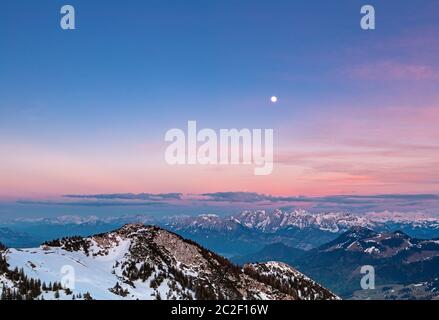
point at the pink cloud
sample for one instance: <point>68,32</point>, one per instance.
<point>390,70</point>
<point>370,149</point>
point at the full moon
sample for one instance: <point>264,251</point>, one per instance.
<point>274,99</point>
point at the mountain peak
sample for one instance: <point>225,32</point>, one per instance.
<point>132,227</point>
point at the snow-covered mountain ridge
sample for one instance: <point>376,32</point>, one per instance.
<point>263,220</point>
<point>334,222</point>
<point>278,219</point>
<point>141,262</point>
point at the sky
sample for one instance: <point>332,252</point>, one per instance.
<point>85,111</point>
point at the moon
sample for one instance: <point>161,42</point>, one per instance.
<point>273,99</point>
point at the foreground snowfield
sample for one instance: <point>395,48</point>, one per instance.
<point>139,262</point>
<point>91,273</point>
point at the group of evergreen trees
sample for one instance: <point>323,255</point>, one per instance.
<point>117,289</point>
<point>133,273</point>
<point>74,243</point>
<point>76,296</point>
<point>56,286</point>
<point>202,290</point>
<point>26,288</point>
<point>11,294</point>
<point>87,296</point>
<point>287,286</point>
<point>157,280</point>
<point>3,264</point>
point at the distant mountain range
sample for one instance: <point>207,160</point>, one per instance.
<point>242,234</point>
<point>144,262</point>
<point>249,231</point>
<point>400,261</point>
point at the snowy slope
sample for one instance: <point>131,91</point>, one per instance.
<point>92,273</point>
<point>269,222</point>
